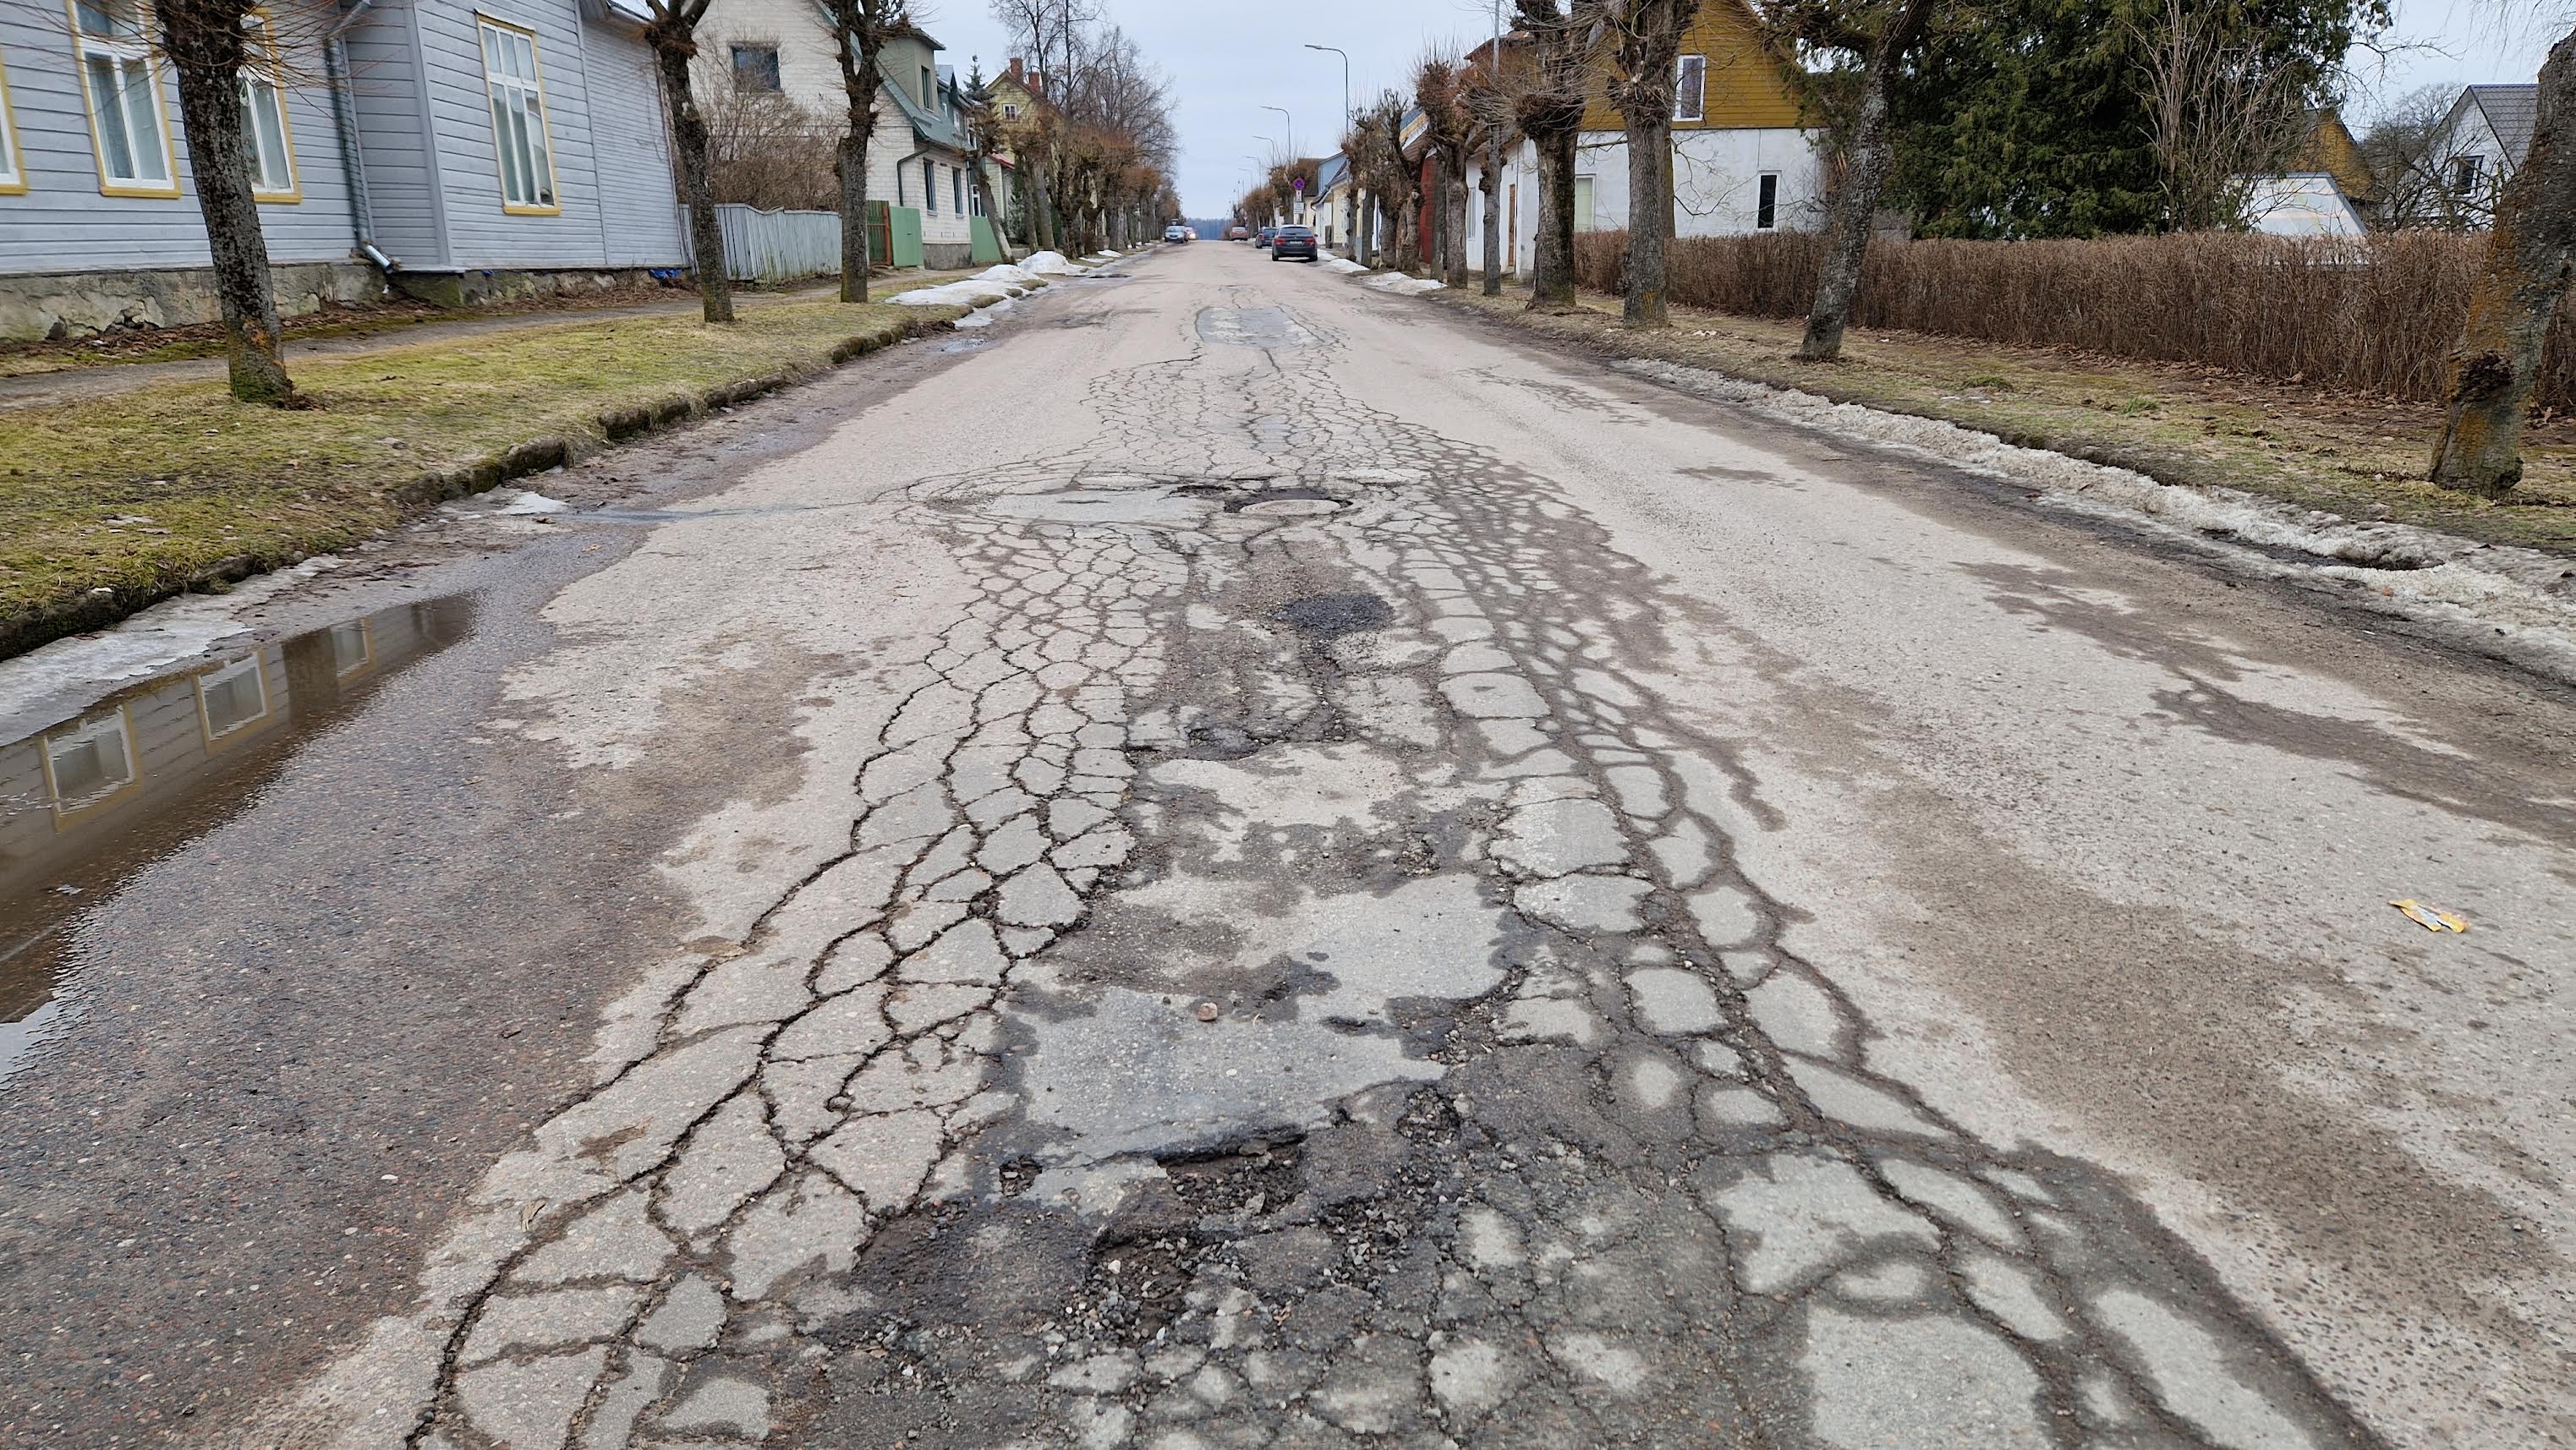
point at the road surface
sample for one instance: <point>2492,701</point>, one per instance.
<point>1237,861</point>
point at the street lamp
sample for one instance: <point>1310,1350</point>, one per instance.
<point>1346,126</point>
<point>1346,76</point>
<point>1292,128</point>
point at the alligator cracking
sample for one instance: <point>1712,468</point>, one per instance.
<point>1515,1126</point>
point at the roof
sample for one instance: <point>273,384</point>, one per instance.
<point>1330,171</point>
<point>2512,112</point>
<point>928,127</point>
<point>2302,204</point>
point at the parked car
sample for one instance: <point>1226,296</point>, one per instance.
<point>1176,233</point>
<point>1262,237</point>
<point>1238,234</point>
<point>1297,242</point>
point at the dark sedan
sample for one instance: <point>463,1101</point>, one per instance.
<point>1296,242</point>
<point>1262,237</point>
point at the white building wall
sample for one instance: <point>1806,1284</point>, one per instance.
<point>809,68</point>
<point>1716,187</point>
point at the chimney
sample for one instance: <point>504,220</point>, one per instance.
<point>1014,70</point>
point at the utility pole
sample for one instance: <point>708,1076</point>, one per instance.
<point>1349,177</point>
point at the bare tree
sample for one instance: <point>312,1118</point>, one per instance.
<point>2222,111</point>
<point>860,31</point>
<point>1489,103</point>
<point>1438,93</point>
<point>763,149</point>
<point>983,138</point>
<point>2530,254</point>
<point>210,44</point>
<point>671,29</point>
<point>1044,31</point>
<point>1550,111</point>
<point>1868,153</point>
<point>1391,179</point>
<point>2414,172</point>
<point>1646,45</point>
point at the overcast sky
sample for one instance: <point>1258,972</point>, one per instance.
<point>1230,58</point>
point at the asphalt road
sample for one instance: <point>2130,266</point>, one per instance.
<point>1236,861</point>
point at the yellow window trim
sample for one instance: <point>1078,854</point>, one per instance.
<point>244,731</point>
<point>53,789</point>
<point>89,113</point>
<point>294,191</point>
<point>545,115</point>
<point>17,153</point>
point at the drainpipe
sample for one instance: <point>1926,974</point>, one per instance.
<point>335,66</point>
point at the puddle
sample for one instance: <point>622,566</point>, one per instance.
<point>87,802</point>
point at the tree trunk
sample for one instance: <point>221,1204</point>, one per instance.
<point>1552,258</point>
<point>206,47</point>
<point>1041,210</point>
<point>859,78</point>
<point>1650,218</point>
<point>1494,216</point>
<point>2530,254</point>
<point>1864,174</point>
<point>1453,238</point>
<point>1408,221</point>
<point>1351,241</point>
<point>673,53</point>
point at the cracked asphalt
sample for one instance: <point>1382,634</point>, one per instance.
<point>1239,862</point>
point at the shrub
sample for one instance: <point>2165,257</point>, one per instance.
<point>2376,314</point>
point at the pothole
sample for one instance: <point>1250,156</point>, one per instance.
<point>1332,615</point>
<point>1290,507</point>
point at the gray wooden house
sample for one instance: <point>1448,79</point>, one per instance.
<point>442,148</point>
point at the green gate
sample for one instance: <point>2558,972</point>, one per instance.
<point>894,235</point>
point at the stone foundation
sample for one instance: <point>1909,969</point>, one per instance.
<point>947,256</point>
<point>58,305</point>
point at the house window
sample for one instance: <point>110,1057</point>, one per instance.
<point>755,68</point>
<point>930,185</point>
<point>232,699</point>
<point>1583,221</point>
<point>128,128</point>
<point>1010,111</point>
<point>13,166</point>
<point>517,91</point>
<point>929,89</point>
<point>2465,171</point>
<point>1690,88</point>
<point>353,647</point>
<point>89,763</point>
<point>263,89</point>
<point>1766,202</point>
<point>957,189</point>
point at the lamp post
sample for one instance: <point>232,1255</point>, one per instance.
<point>1354,202</point>
<point>1292,128</point>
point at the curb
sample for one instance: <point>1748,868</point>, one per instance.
<point>96,610</point>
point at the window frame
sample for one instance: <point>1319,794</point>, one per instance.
<point>13,155</point>
<point>275,82</point>
<point>1766,214</point>
<point>957,189</point>
<point>64,813</point>
<point>1698,97</point>
<point>125,52</point>
<point>734,51</point>
<point>930,185</point>
<point>545,116</point>
<point>366,636</point>
<point>248,725</point>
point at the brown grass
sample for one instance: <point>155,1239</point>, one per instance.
<point>2375,315</point>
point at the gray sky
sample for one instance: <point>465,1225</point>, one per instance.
<point>1229,58</point>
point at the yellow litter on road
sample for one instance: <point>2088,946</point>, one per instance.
<point>2429,919</point>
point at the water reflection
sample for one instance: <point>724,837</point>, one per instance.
<point>87,802</point>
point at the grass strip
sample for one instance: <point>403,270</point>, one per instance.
<point>111,504</point>
<point>2360,457</point>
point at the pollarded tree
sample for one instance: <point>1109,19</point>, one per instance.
<point>861,30</point>
<point>1550,111</point>
<point>671,29</point>
<point>1495,133</point>
<point>211,46</point>
<point>1646,45</point>
<point>1438,93</point>
<point>2530,255</point>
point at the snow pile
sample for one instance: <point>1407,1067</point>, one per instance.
<point>1049,264</point>
<point>1343,265</point>
<point>1019,279</point>
<point>2516,603</point>
<point>969,293</point>
<point>985,317</point>
<point>1397,282</point>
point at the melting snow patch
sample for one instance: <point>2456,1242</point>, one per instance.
<point>529,501</point>
<point>1049,264</point>
<point>969,293</point>
<point>1343,265</point>
<point>2501,600</point>
<point>985,317</point>
<point>1400,283</point>
<point>1019,279</point>
<point>88,665</point>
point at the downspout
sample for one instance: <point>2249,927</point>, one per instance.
<point>335,66</point>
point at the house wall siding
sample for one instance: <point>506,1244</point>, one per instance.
<point>390,112</point>
<point>1747,82</point>
<point>63,224</point>
<point>809,68</point>
<point>639,216</point>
